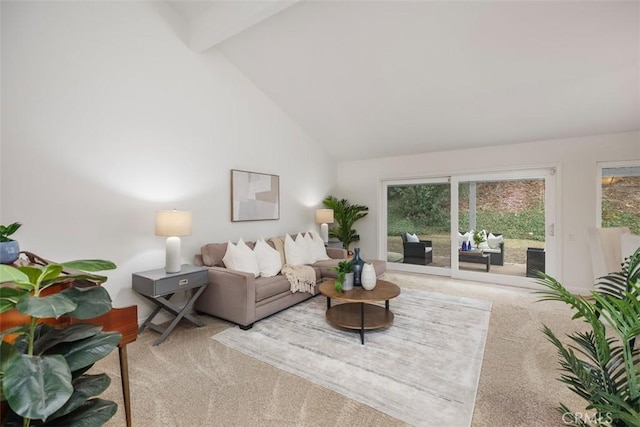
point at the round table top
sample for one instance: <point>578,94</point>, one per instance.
<point>383,291</point>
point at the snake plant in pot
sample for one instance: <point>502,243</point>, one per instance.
<point>43,368</point>
<point>601,365</point>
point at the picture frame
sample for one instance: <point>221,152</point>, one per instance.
<point>254,196</point>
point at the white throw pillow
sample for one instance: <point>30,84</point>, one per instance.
<point>494,241</point>
<point>296,252</point>
<point>468,236</point>
<point>228,259</point>
<point>240,257</point>
<point>318,251</point>
<point>412,238</point>
<point>268,259</point>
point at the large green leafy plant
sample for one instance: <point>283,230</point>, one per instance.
<point>345,216</point>
<point>43,371</point>
<point>601,365</point>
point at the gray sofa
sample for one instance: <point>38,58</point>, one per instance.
<point>244,299</point>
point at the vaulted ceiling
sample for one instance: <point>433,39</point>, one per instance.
<point>381,78</point>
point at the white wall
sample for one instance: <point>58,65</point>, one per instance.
<point>107,117</point>
<point>576,158</point>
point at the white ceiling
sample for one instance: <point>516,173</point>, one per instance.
<point>381,78</point>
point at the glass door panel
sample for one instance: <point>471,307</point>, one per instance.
<point>420,208</point>
<point>503,221</point>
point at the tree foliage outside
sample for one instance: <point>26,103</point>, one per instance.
<point>517,212</point>
<point>621,202</point>
<point>413,208</point>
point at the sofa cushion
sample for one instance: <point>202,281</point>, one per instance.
<point>268,259</point>
<point>212,254</point>
<point>267,287</point>
<point>327,268</point>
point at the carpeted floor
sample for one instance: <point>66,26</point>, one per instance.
<point>192,380</point>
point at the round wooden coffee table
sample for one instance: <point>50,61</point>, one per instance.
<point>359,311</point>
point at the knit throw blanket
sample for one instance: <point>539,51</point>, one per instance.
<point>301,277</point>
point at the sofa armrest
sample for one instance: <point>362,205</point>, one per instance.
<point>231,295</point>
<point>336,253</point>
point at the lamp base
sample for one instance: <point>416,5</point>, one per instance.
<point>172,262</point>
<point>324,233</point>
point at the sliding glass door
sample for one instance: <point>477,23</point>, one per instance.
<point>506,221</point>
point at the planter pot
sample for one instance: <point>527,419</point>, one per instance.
<point>347,285</point>
<point>368,277</point>
<point>9,252</point>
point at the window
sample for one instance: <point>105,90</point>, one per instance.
<point>619,196</point>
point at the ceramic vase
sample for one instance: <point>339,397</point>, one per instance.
<point>347,285</point>
<point>368,278</point>
<point>9,251</point>
<point>357,267</point>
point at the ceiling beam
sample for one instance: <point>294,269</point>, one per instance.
<point>227,18</point>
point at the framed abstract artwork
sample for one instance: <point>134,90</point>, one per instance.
<point>254,196</point>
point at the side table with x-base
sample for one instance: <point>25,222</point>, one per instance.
<point>158,286</point>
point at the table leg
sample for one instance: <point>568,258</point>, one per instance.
<point>124,374</point>
<point>179,315</point>
<point>328,303</point>
<point>153,313</point>
<point>386,304</point>
<point>362,323</point>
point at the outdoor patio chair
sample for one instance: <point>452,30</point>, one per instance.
<point>416,251</point>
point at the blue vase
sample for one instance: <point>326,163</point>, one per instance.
<point>357,267</point>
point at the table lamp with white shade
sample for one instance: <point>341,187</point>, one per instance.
<point>324,217</point>
<point>173,224</point>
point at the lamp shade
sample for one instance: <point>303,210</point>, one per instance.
<point>324,216</point>
<point>173,223</point>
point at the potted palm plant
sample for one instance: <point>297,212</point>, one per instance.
<point>9,248</point>
<point>601,365</point>
<point>43,368</point>
<point>345,215</point>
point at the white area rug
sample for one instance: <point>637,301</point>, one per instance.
<point>423,370</point>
